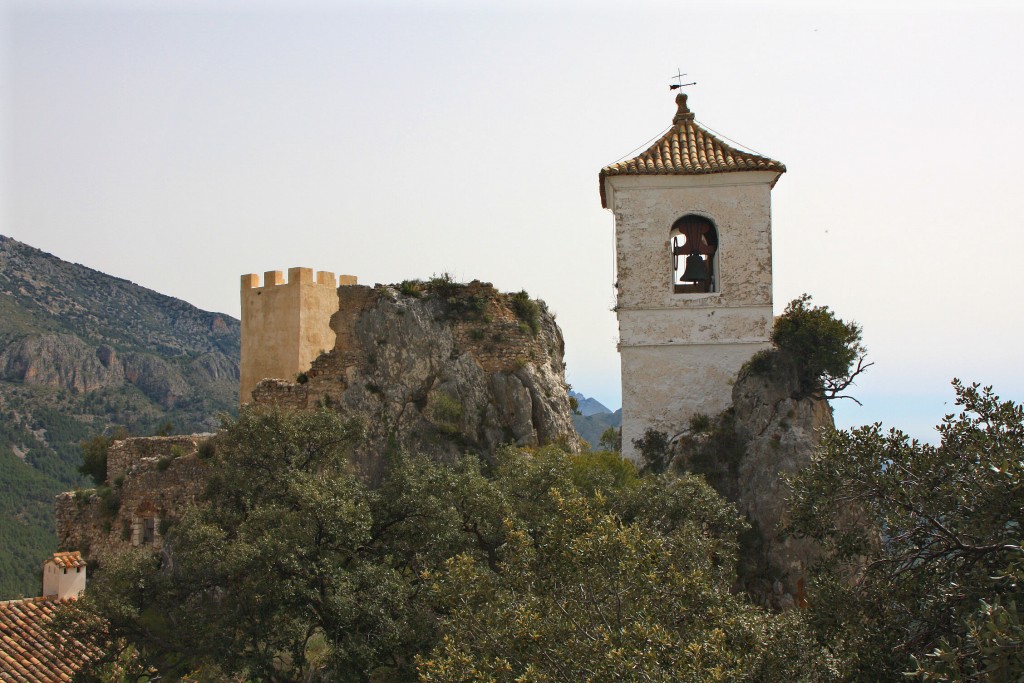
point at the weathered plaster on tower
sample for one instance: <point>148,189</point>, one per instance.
<point>680,352</point>
<point>285,325</point>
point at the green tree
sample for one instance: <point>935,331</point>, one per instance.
<point>625,580</point>
<point>922,557</point>
<point>827,351</point>
<point>291,568</point>
<point>611,439</point>
<point>94,455</point>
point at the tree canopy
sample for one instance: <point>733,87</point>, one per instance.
<point>923,567</point>
<point>545,566</point>
<point>539,566</point>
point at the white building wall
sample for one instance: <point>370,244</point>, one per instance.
<point>61,582</point>
<point>681,352</point>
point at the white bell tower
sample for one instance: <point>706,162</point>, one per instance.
<point>694,273</point>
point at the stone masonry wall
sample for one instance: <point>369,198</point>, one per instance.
<point>151,482</point>
<point>285,325</point>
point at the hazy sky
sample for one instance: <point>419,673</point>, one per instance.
<point>183,144</point>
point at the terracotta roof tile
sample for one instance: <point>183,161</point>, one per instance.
<point>69,560</point>
<point>688,149</point>
<point>30,651</point>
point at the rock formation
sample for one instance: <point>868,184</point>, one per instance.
<point>440,368</point>
<point>437,368</point>
<point>770,431</point>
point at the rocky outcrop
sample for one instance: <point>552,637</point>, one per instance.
<point>439,368</point>
<point>781,429</point>
<point>64,361</point>
<point>770,432</point>
<point>58,360</point>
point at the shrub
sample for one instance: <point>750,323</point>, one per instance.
<point>207,450</point>
<point>301,378</point>
<point>445,409</point>
<point>444,285</point>
<point>700,423</point>
<point>110,500</point>
<point>163,463</point>
<point>654,450</point>
<point>527,310</point>
<point>824,347</point>
<point>413,288</point>
<point>760,363</point>
<point>611,440</point>
<point>94,455</point>
<point>466,307</point>
<point>574,406</point>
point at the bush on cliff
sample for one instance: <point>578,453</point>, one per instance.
<point>823,347</point>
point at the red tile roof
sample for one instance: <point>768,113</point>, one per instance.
<point>69,560</point>
<point>688,149</point>
<point>30,652</point>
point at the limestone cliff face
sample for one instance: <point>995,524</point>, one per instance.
<point>440,368</point>
<point>770,431</point>
<point>64,361</point>
<point>781,430</point>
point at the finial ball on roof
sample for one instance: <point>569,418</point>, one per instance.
<point>683,112</point>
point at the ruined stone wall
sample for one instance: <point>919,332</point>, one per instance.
<point>151,482</point>
<point>285,325</point>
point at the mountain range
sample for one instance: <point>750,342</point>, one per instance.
<point>82,353</point>
<point>594,418</point>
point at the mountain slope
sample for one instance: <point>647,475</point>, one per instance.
<point>81,352</point>
<point>588,406</point>
<point>594,419</point>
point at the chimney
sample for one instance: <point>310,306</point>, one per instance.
<point>64,576</point>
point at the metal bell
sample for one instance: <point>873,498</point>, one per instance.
<point>696,270</point>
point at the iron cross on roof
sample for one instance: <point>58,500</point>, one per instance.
<point>679,78</point>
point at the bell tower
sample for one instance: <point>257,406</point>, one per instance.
<point>694,273</point>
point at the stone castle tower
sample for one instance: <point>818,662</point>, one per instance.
<point>694,273</point>
<point>285,325</point>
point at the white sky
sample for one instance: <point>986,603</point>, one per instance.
<point>183,144</point>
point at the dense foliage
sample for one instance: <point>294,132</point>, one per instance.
<point>543,566</point>
<point>923,566</point>
<point>826,350</point>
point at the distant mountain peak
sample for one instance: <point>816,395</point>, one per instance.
<point>589,406</point>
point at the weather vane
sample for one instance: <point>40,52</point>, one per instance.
<point>679,77</point>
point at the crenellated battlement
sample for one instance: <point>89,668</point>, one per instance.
<point>297,276</point>
<point>286,323</point>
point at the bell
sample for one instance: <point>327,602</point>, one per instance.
<point>696,270</point>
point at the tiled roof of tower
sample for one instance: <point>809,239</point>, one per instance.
<point>30,651</point>
<point>68,560</point>
<point>688,149</point>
